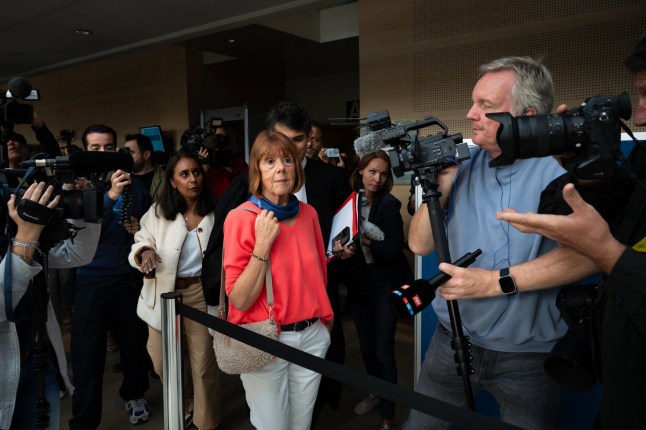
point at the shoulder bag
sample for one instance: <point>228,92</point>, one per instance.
<point>235,357</point>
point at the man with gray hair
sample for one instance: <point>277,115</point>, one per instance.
<point>510,334</point>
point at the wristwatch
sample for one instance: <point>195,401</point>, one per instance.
<point>507,283</point>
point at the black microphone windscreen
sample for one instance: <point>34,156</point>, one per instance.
<point>408,300</point>
<point>98,161</point>
<point>19,87</point>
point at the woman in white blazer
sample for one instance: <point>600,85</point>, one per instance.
<point>168,250</point>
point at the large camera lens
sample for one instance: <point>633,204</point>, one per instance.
<point>82,204</point>
<point>536,135</point>
<point>72,203</point>
<point>543,135</point>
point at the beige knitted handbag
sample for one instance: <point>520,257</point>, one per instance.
<point>233,356</point>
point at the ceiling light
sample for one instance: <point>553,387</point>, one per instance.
<point>81,32</point>
<point>230,40</point>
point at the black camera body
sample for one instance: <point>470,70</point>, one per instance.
<point>429,151</point>
<point>196,138</point>
<point>417,153</point>
<point>592,132</point>
<point>84,204</point>
<point>570,362</point>
<point>16,113</point>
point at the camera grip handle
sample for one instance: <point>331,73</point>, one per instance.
<point>36,213</point>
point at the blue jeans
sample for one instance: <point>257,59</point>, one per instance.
<point>24,417</point>
<point>376,324</point>
<point>528,398</point>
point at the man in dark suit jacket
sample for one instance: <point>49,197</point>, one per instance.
<point>326,188</point>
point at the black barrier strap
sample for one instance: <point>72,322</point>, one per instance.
<point>387,390</point>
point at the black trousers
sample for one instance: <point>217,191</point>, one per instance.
<point>100,303</point>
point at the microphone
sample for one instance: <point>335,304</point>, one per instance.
<point>85,162</point>
<point>364,145</point>
<point>377,139</point>
<point>19,87</point>
<point>408,300</point>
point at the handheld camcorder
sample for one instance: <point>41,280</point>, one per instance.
<point>592,132</point>
<point>411,152</point>
<point>86,204</point>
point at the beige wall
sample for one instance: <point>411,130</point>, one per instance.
<point>420,58</point>
<point>142,88</point>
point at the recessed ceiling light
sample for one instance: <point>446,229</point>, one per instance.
<point>81,32</point>
<point>230,40</point>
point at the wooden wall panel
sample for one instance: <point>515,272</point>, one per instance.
<point>421,58</point>
<point>126,92</point>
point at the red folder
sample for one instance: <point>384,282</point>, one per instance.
<point>345,224</point>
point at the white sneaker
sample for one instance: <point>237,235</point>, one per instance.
<point>366,405</point>
<point>138,411</point>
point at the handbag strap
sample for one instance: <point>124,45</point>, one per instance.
<point>268,283</point>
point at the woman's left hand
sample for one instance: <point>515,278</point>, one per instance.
<point>36,193</point>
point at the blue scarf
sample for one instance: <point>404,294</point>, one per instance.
<point>281,212</point>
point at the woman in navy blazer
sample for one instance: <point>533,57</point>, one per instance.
<point>377,270</point>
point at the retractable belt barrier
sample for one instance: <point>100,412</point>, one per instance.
<point>428,405</point>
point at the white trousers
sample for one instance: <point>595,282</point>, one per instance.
<point>281,396</point>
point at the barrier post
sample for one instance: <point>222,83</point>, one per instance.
<point>172,359</point>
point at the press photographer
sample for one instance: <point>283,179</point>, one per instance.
<point>615,246</point>
<point>31,348</point>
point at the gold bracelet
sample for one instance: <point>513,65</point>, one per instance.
<point>257,257</point>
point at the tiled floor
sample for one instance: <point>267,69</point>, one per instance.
<point>234,409</point>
